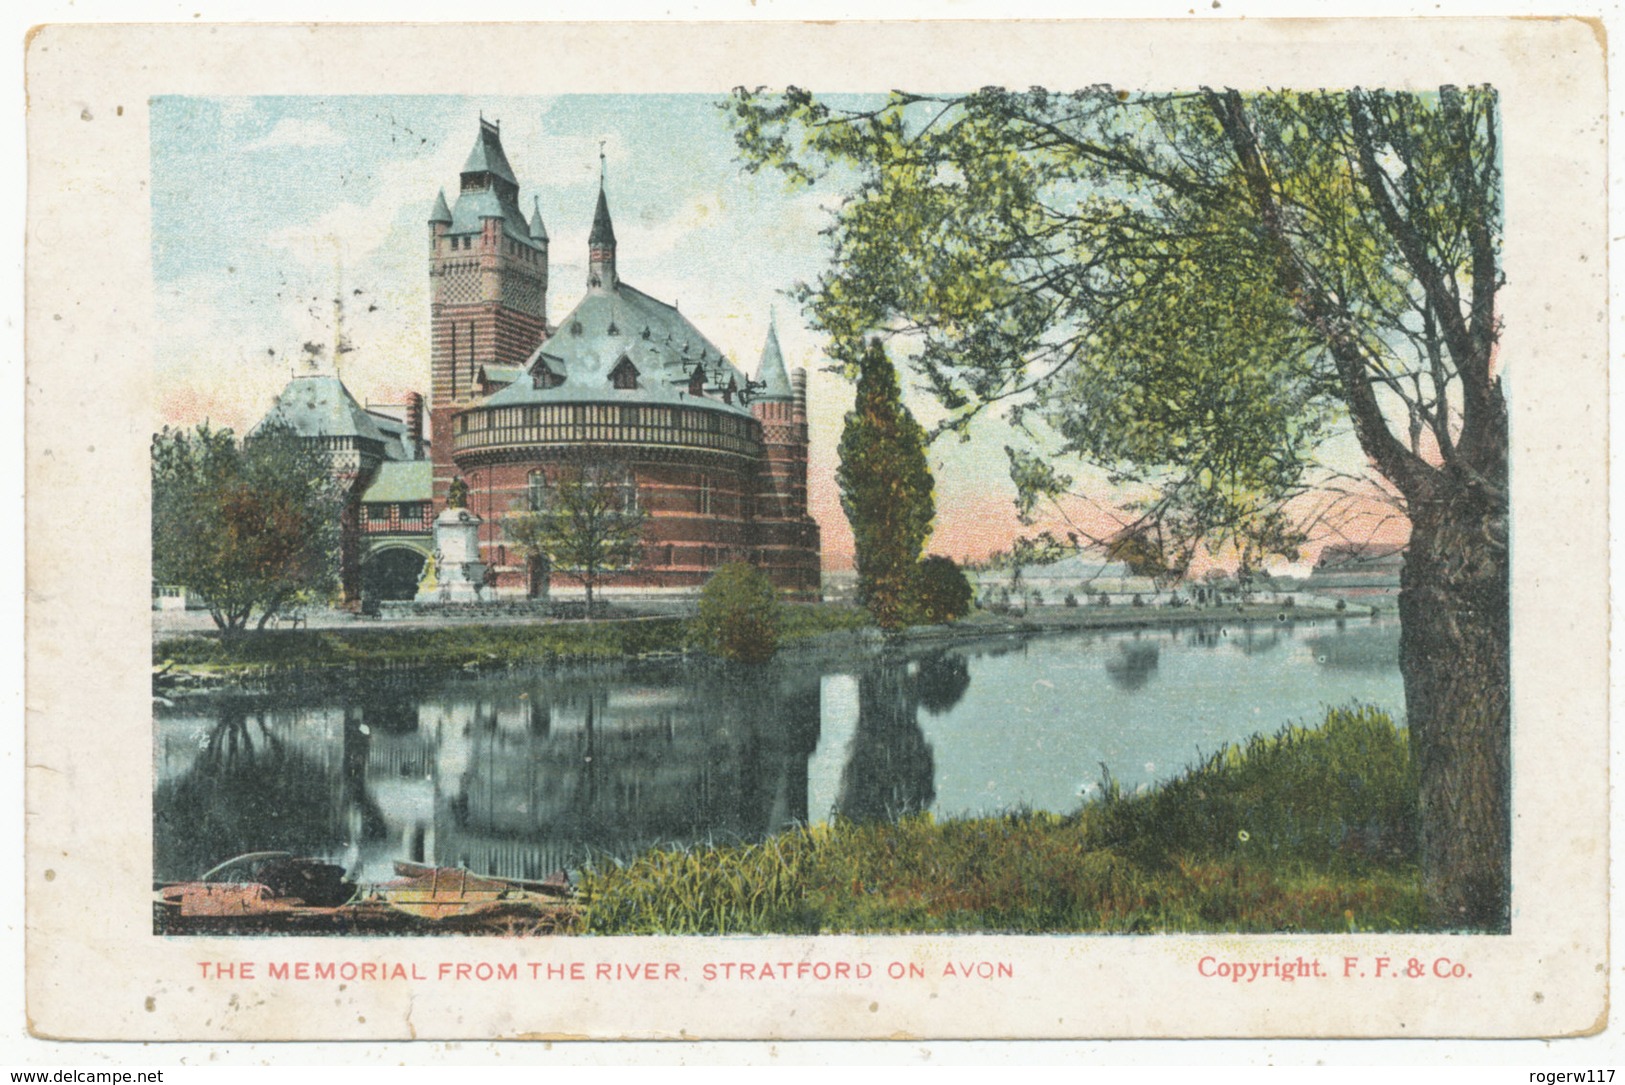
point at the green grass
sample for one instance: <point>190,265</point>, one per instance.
<point>471,644</point>
<point>1307,830</point>
<point>443,646</point>
<point>806,620</point>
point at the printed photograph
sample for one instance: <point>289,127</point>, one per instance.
<point>1070,510</point>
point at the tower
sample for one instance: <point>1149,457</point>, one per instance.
<point>488,289</point>
<point>787,537</point>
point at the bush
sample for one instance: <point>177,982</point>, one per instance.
<point>1137,601</point>
<point>1070,600</point>
<point>938,591</point>
<point>1342,604</point>
<point>738,617</point>
<point>1104,600</point>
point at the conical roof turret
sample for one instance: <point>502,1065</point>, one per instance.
<point>442,210</point>
<point>537,229</point>
<point>771,371</point>
<point>601,247</point>
<point>603,231</point>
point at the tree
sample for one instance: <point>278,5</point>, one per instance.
<point>587,525</point>
<point>938,591</point>
<point>246,527</point>
<point>1191,291</point>
<point>738,615</point>
<point>886,487</point>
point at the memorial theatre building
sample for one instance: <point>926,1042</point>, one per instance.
<point>715,459</point>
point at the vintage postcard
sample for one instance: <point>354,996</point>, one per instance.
<point>1020,530</point>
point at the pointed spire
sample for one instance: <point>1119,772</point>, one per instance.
<point>601,247</point>
<point>603,231</point>
<point>771,371</point>
<point>441,212</point>
<point>537,230</point>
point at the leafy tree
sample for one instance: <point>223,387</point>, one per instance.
<point>1191,291</point>
<point>245,527</point>
<point>738,615</point>
<point>938,591</point>
<point>589,525</point>
<point>886,487</point>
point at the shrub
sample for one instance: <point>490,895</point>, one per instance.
<point>1137,601</point>
<point>1342,604</point>
<point>938,591</point>
<point>738,617</point>
<point>1070,600</point>
<point>1103,600</point>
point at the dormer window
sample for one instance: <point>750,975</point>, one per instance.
<point>696,381</point>
<point>542,376</point>
<point>575,327</point>
<point>625,375</point>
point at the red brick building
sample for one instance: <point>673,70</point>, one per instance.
<point>716,460</point>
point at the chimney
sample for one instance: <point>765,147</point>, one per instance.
<point>414,423</point>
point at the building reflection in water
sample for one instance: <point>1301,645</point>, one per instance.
<point>518,777</point>
<point>522,777</point>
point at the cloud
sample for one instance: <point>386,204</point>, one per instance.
<point>297,132</point>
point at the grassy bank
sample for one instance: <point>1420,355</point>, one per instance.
<point>1306,830</point>
<point>493,644</point>
<point>468,644</point>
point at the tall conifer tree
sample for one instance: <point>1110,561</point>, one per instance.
<point>886,488</point>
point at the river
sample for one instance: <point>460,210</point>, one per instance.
<point>528,772</point>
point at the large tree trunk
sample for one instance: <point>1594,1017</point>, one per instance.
<point>1454,654</point>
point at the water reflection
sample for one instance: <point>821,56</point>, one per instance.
<point>1132,665</point>
<point>1357,646</point>
<point>890,771</point>
<point>250,789</point>
<point>524,774</point>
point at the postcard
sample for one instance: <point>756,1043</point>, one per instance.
<point>947,530</point>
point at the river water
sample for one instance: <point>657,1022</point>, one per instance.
<point>525,773</point>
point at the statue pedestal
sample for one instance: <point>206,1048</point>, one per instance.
<point>460,572</point>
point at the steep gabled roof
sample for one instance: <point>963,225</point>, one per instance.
<point>488,156</point>
<point>623,322</point>
<point>318,405</point>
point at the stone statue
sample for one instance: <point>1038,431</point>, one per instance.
<point>457,495</point>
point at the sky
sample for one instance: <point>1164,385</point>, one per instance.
<point>264,208</point>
